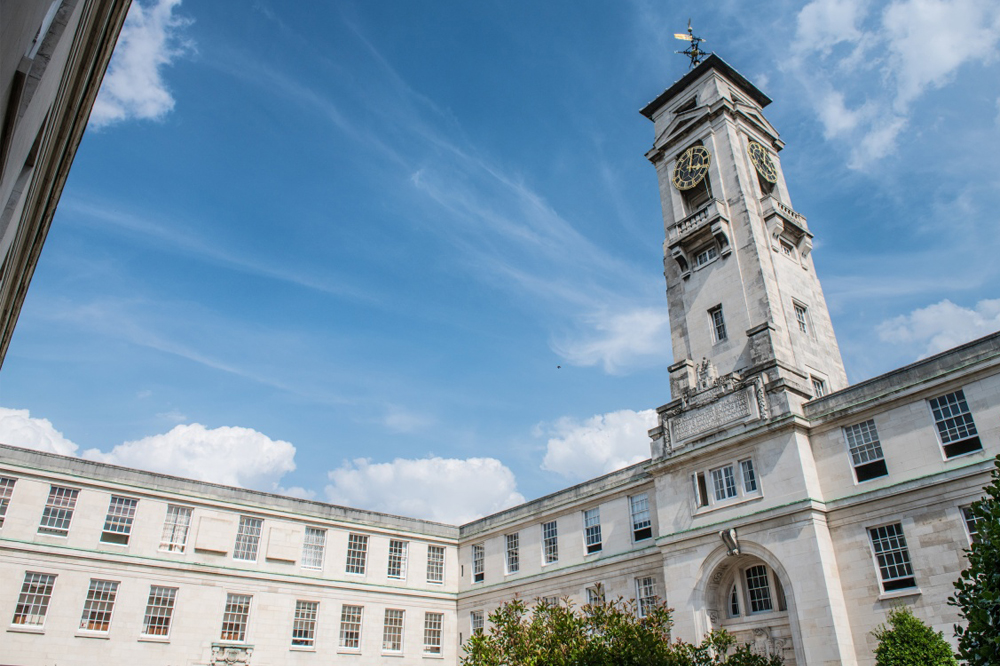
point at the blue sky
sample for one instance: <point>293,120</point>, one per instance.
<point>407,256</point>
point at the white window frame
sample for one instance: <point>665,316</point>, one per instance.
<point>119,520</point>
<point>176,525</point>
<point>706,255</point>
<point>57,516</point>
<point>435,565</point>
<point>724,486</point>
<point>639,512</point>
<point>895,573</point>
<point>357,554</point>
<point>6,492</point>
<point>645,594</point>
<point>304,624</point>
<point>593,542</point>
<point>248,539</point>
<point>99,606</point>
<point>748,476</point>
<point>802,317</point>
<point>971,522</point>
<point>864,448</point>
<point>595,594</point>
<point>351,622</point>
<point>477,620</point>
<point>34,599</point>
<point>433,628</point>
<point>398,552</point>
<point>706,485</point>
<point>393,630</point>
<point>159,614</point>
<point>236,617</point>
<point>954,424</point>
<point>819,386</point>
<point>718,324</point>
<point>313,548</point>
<point>550,542</point>
<point>512,552</point>
<point>478,562</point>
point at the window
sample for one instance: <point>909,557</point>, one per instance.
<point>99,605</point>
<point>733,605</point>
<point>175,528</point>
<point>6,490</point>
<point>758,589</point>
<point>513,553</point>
<point>592,529</point>
<point>478,563</point>
<point>476,620</point>
<point>58,511</point>
<point>645,594</point>
<point>642,528</point>
<point>955,425</point>
<point>235,617</point>
<point>893,558</point>
<point>33,602</point>
<point>705,256</point>
<point>118,523</point>
<point>550,601</point>
<point>787,249</point>
<point>350,627</point>
<point>595,595</point>
<point>247,539</point>
<point>801,317</point>
<point>159,611</point>
<point>718,323</point>
<point>313,546</point>
<point>724,482</point>
<point>357,553</point>
<point>749,476</point>
<point>432,632</point>
<point>397,559</point>
<point>972,522</point>
<point>304,623</point>
<point>865,450</point>
<point>392,631</point>
<point>435,564</point>
<point>819,387</point>
<point>550,543</point>
<point>701,489</point>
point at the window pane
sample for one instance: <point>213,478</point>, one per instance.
<point>550,542</point>
<point>313,546</point>
<point>592,529</point>
<point>863,443</point>
<point>513,553</point>
<point>33,602</point>
<point>234,619</point>
<point>99,605</point>
<point>397,559</point>
<point>639,508</point>
<point>476,621</point>
<point>478,563</point>
<point>645,594</point>
<point>954,422</point>
<point>972,522</point>
<point>432,632</point>
<point>350,627</point>
<point>357,553</point>
<point>304,623</point>
<point>893,557</point>
<point>724,481</point>
<point>749,476</point>
<point>435,564</point>
<point>758,589</point>
<point>392,632</point>
<point>6,490</point>
<point>247,539</point>
<point>58,511</point>
<point>159,610</point>
<point>175,528</point>
<point>118,523</point>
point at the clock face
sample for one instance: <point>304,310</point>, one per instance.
<point>762,162</point>
<point>691,167</point>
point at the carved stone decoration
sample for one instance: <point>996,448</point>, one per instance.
<point>764,645</point>
<point>762,406</point>
<point>231,655</point>
<point>707,374</point>
<point>713,617</point>
<point>732,542</point>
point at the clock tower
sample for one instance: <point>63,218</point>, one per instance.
<point>748,318</point>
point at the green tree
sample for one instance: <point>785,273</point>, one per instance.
<point>977,591</point>
<point>907,641</point>
<point>608,633</point>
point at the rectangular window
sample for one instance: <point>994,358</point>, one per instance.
<point>432,632</point>
<point>718,323</point>
<point>513,553</point>
<point>550,543</point>
<point>955,425</point>
<point>159,611</point>
<point>313,547</point>
<point>595,596</point>
<point>724,483</point>
<point>801,317</point>
<point>705,256</point>
<point>972,522</point>
<point>397,559</point>
<point>118,523</point>
<point>893,558</point>
<point>435,564</point>
<point>758,589</point>
<point>33,602</point>
<point>592,529</point>
<point>99,605</point>
<point>787,249</point>
<point>749,476</point>
<point>701,489</point>
<point>304,623</point>
<point>357,553</point>
<point>642,527</point>
<point>6,490</point>
<point>236,617</point>
<point>247,539</point>
<point>645,594</point>
<point>476,620</point>
<point>392,631</point>
<point>175,528</point>
<point>478,563</point>
<point>58,511</point>
<point>819,387</point>
<point>350,627</point>
<point>865,450</point>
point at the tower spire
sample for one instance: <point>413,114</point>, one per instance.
<point>693,51</point>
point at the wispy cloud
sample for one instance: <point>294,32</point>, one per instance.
<point>935,328</point>
<point>579,450</point>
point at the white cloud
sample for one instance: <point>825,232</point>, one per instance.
<point>823,24</point>
<point>447,490</point>
<point>603,443</point>
<point>621,341</point>
<point>228,455</point>
<point>133,86</point>
<point>18,428</point>
<point>941,326</point>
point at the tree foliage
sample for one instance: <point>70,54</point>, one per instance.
<point>977,591</point>
<point>907,641</point>
<point>608,633</point>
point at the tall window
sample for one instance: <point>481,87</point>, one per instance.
<point>478,563</point>
<point>435,564</point>
<point>397,559</point>
<point>718,323</point>
<point>313,546</point>
<point>247,539</point>
<point>550,542</point>
<point>758,589</point>
<point>236,617</point>
<point>33,602</point>
<point>954,424</point>
<point>392,631</point>
<point>749,476</point>
<point>865,450</point>
<point>801,317</point>
<point>595,595</point>
<point>819,387</point>
<point>476,620</point>
<point>357,553</point>
<point>645,594</point>
<point>100,604</point>
<point>6,490</point>
<point>513,553</point>
<point>592,529</point>
<point>304,623</point>
<point>724,482</point>
<point>118,523</point>
<point>58,511</point>
<point>642,528</point>
<point>893,557</point>
<point>159,611</point>
<point>175,528</point>
<point>972,522</point>
<point>432,632</point>
<point>350,627</point>
<point>701,489</point>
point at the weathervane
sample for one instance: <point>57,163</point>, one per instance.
<point>693,52</point>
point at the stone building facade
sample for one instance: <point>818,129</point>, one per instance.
<point>778,502</point>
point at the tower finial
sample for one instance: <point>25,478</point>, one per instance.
<point>693,52</point>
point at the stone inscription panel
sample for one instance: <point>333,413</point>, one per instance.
<point>713,416</point>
